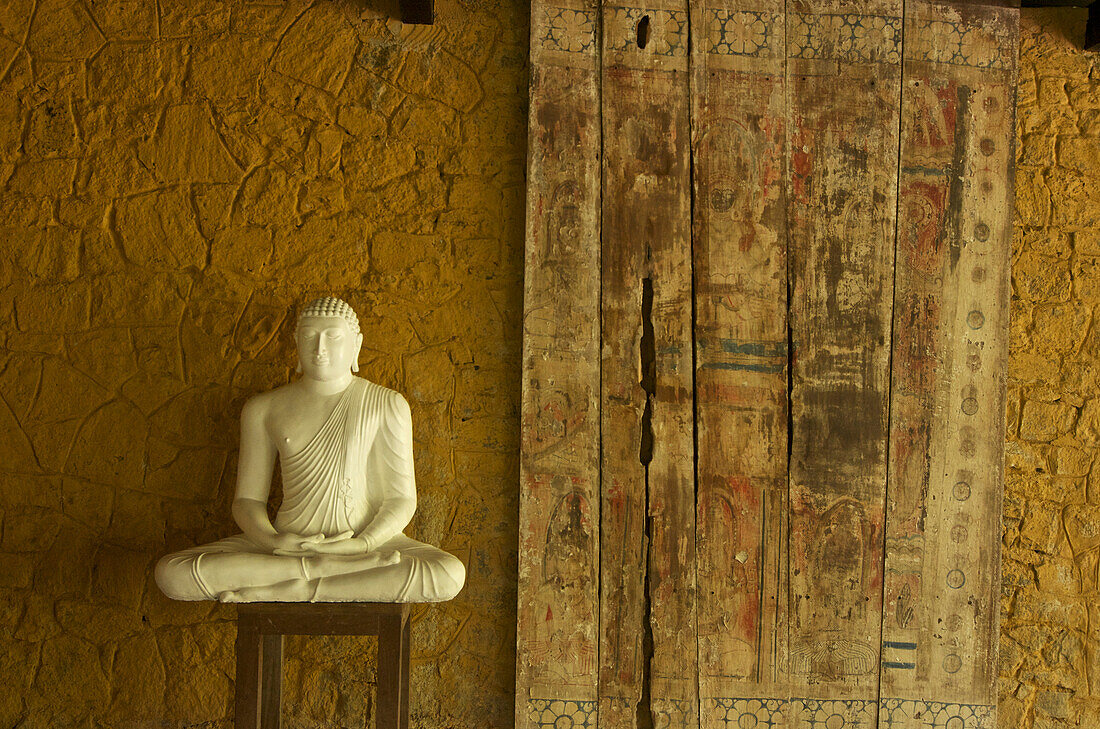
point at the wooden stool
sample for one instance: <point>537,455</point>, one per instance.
<point>260,630</point>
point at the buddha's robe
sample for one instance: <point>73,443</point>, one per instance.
<point>355,475</point>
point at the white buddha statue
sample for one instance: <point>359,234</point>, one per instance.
<point>346,453</point>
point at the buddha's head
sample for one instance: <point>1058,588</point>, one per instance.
<point>328,339</point>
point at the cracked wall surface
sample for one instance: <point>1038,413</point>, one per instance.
<point>1050,630</point>
<point>177,178</point>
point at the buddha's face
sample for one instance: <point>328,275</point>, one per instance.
<point>327,347</point>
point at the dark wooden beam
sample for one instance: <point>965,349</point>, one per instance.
<point>1092,28</point>
<point>418,12</point>
<point>1092,25</point>
<point>992,3</point>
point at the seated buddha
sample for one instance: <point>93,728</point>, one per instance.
<point>345,449</point>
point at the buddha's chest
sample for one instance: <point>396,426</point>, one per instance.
<point>298,421</point>
<point>331,423</point>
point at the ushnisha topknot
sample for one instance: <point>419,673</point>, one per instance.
<point>331,306</point>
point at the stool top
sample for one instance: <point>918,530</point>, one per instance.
<point>322,618</point>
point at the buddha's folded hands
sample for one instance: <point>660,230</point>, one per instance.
<point>280,542</point>
<point>344,544</point>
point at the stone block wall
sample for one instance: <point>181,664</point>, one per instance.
<point>1050,632</point>
<point>176,178</point>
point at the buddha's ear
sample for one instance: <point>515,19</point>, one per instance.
<point>358,349</point>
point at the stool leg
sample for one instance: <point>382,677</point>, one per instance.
<point>406,646</point>
<point>271,682</point>
<point>390,647</point>
<point>247,709</point>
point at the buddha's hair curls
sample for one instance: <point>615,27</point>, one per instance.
<point>331,306</point>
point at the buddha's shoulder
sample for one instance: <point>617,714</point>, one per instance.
<point>389,401</point>
<point>382,395</point>
<point>260,404</point>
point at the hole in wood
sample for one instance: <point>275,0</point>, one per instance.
<point>643,31</point>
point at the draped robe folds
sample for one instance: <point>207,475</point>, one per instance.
<point>354,475</point>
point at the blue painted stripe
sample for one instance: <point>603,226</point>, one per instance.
<point>755,349</point>
<point>898,664</point>
<point>897,644</point>
<point>741,366</point>
<point>927,170</point>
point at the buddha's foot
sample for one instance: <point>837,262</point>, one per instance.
<point>290,591</point>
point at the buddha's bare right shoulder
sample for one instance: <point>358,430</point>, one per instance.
<point>258,407</point>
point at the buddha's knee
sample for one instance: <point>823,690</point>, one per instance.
<point>450,576</point>
<point>174,574</point>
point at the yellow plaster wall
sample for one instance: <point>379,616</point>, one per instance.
<point>176,178</point>
<point>1050,633</point>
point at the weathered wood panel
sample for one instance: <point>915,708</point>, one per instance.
<point>843,76</point>
<point>666,231</point>
<point>647,650</point>
<point>844,562</point>
<point>739,141</point>
<point>950,352</point>
<point>558,619</point>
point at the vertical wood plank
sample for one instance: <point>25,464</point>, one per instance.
<point>950,352</point>
<point>391,638</point>
<point>406,653</point>
<point>843,76</point>
<point>664,225</point>
<point>558,611</point>
<point>247,686</point>
<point>647,650</point>
<point>740,266</point>
<point>271,681</point>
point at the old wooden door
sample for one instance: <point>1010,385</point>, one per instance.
<point>765,333</point>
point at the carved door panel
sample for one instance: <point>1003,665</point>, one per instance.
<point>765,340</point>
<point>742,345</point>
<point>647,563</point>
<point>559,606</point>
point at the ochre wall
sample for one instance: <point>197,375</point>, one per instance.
<point>1050,633</point>
<point>178,177</point>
